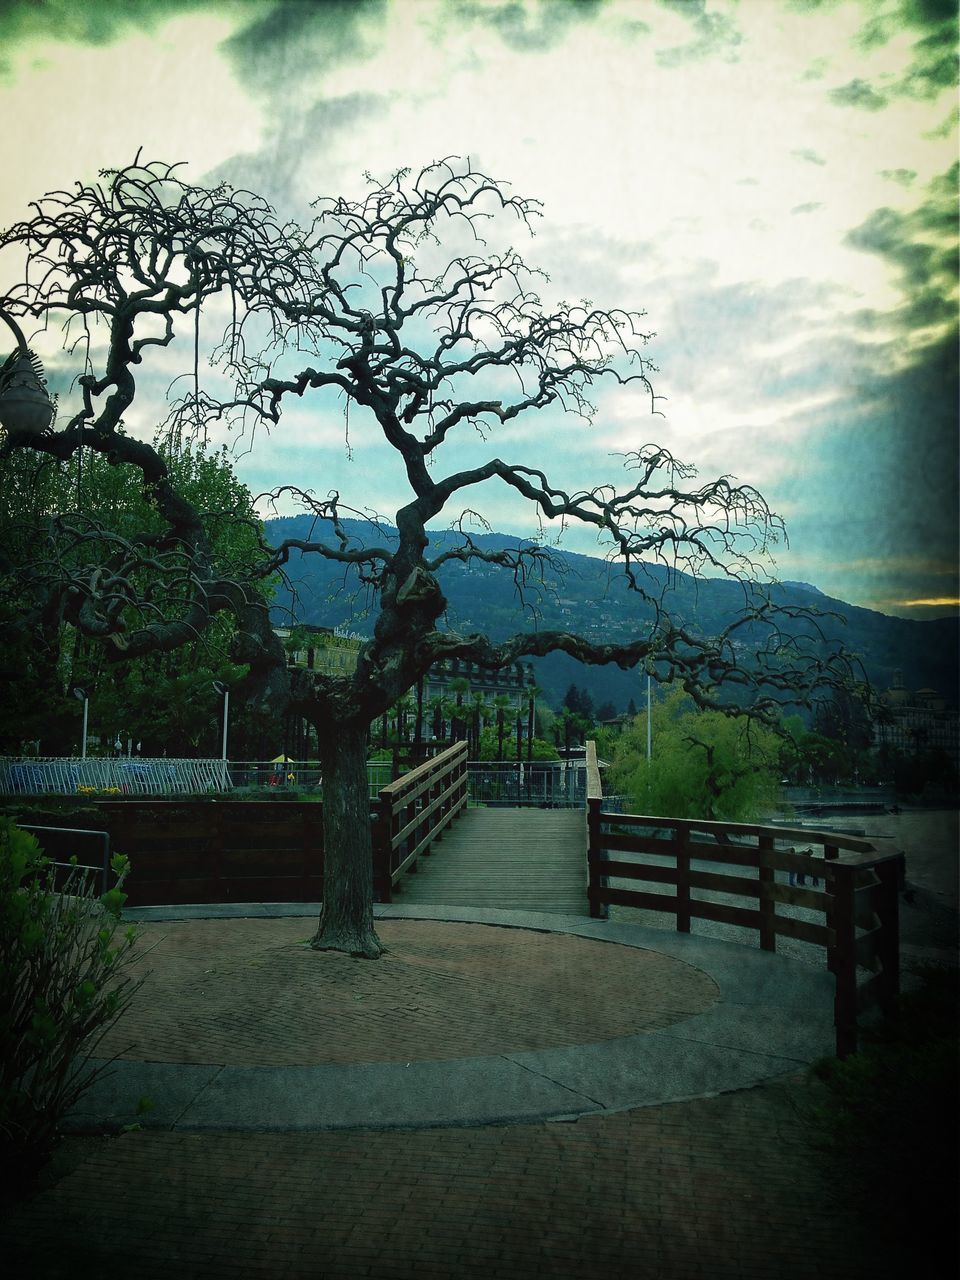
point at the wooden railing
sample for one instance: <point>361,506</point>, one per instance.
<point>856,894</point>
<point>413,812</point>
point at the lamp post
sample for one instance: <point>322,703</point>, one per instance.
<point>84,697</point>
<point>25,407</point>
<point>225,690</point>
<point>649,721</point>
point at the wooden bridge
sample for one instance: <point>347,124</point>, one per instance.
<point>430,847</point>
<point>519,859</point>
<point>575,862</point>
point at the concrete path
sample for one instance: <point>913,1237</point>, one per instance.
<point>757,1016</point>
<point>454,1167</point>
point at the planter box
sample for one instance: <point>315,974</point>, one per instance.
<point>201,851</point>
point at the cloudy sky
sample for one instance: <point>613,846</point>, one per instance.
<point>773,181</point>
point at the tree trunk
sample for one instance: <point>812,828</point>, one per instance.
<point>346,921</point>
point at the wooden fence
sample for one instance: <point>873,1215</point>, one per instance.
<point>413,812</point>
<point>857,902</point>
<point>203,850</point>
<point>211,850</point>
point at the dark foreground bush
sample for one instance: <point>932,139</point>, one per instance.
<point>888,1122</point>
<point>62,953</point>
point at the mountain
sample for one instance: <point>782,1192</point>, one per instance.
<point>588,595</point>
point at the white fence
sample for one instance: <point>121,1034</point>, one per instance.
<point>34,776</point>
<point>548,783</point>
<point>118,776</point>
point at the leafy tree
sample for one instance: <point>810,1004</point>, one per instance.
<point>62,520</point>
<point>490,748</point>
<point>704,764</point>
<point>392,303</point>
<point>579,702</point>
<point>844,719</point>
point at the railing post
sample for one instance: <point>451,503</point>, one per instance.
<point>768,909</point>
<point>842,959</point>
<point>681,836</point>
<point>595,882</point>
<point>464,780</point>
<point>382,876</point>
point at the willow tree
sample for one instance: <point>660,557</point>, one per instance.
<point>394,304</point>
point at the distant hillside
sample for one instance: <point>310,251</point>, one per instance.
<point>590,597</point>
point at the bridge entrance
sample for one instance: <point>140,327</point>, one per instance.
<point>514,859</point>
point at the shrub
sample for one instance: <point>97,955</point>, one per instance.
<point>61,987</point>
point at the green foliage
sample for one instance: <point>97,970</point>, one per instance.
<point>579,702</point>
<point>704,764</point>
<point>165,701</point>
<point>489,746</point>
<point>62,955</point>
<point>888,1121</point>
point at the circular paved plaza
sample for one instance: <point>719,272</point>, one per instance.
<point>252,993</point>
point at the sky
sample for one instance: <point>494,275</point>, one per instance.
<point>774,182</point>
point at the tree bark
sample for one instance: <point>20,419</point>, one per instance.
<point>346,921</point>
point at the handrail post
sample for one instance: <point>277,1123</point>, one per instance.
<point>768,909</point>
<point>842,959</point>
<point>596,883</point>
<point>464,780</point>
<point>382,871</point>
<point>681,836</point>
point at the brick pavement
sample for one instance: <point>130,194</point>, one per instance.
<point>231,991</point>
<point>712,1189</point>
<point>719,1188</point>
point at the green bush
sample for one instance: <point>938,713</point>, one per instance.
<point>61,987</point>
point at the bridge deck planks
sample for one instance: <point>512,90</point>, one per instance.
<point>520,859</point>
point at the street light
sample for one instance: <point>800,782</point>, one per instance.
<point>649,721</point>
<point>84,697</point>
<point>224,689</point>
<point>25,407</point>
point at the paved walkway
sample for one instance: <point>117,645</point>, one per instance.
<point>515,859</point>
<point>563,1111</point>
<point>472,1017</point>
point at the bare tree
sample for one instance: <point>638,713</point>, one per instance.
<point>370,302</point>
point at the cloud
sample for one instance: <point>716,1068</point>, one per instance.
<point>93,22</point>
<point>811,207</point>
<point>886,477</point>
<point>933,63</point>
<point>934,67</point>
<point>857,93</point>
<point>921,246</point>
<point>293,42</point>
<point>530,26</point>
<point>903,177</point>
<point>277,168</point>
<point>714,35</point>
<point>808,154</point>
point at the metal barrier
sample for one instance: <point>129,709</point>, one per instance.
<point>542,783</point>
<point>60,845</point>
<point>551,784</point>
<point>858,903</point>
<point>113,776</point>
